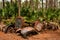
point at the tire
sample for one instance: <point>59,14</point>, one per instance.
<point>9,30</point>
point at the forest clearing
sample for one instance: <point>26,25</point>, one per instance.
<point>30,20</point>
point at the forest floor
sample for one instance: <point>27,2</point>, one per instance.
<point>46,35</point>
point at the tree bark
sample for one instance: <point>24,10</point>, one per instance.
<point>19,7</point>
<point>51,3</point>
<point>26,2</point>
<point>59,5</point>
<point>42,5</point>
<point>37,4</point>
<point>31,4</point>
<point>55,3</point>
<point>46,4</point>
<point>11,1</point>
<point>3,3</point>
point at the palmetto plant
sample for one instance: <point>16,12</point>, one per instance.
<point>11,11</point>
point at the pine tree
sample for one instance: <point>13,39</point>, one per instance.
<point>3,3</point>
<point>37,4</point>
<point>19,7</point>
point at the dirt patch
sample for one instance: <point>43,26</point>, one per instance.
<point>46,35</point>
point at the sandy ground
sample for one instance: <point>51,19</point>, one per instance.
<point>46,35</point>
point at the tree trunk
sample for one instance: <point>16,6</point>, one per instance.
<point>3,3</point>
<point>37,4</point>
<point>19,6</point>
<point>31,4</point>
<point>55,3</point>
<point>51,3</point>
<point>26,2</point>
<point>59,5</point>
<point>46,3</point>
<point>11,1</point>
<point>42,5</point>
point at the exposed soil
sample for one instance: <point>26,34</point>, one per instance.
<point>46,35</point>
